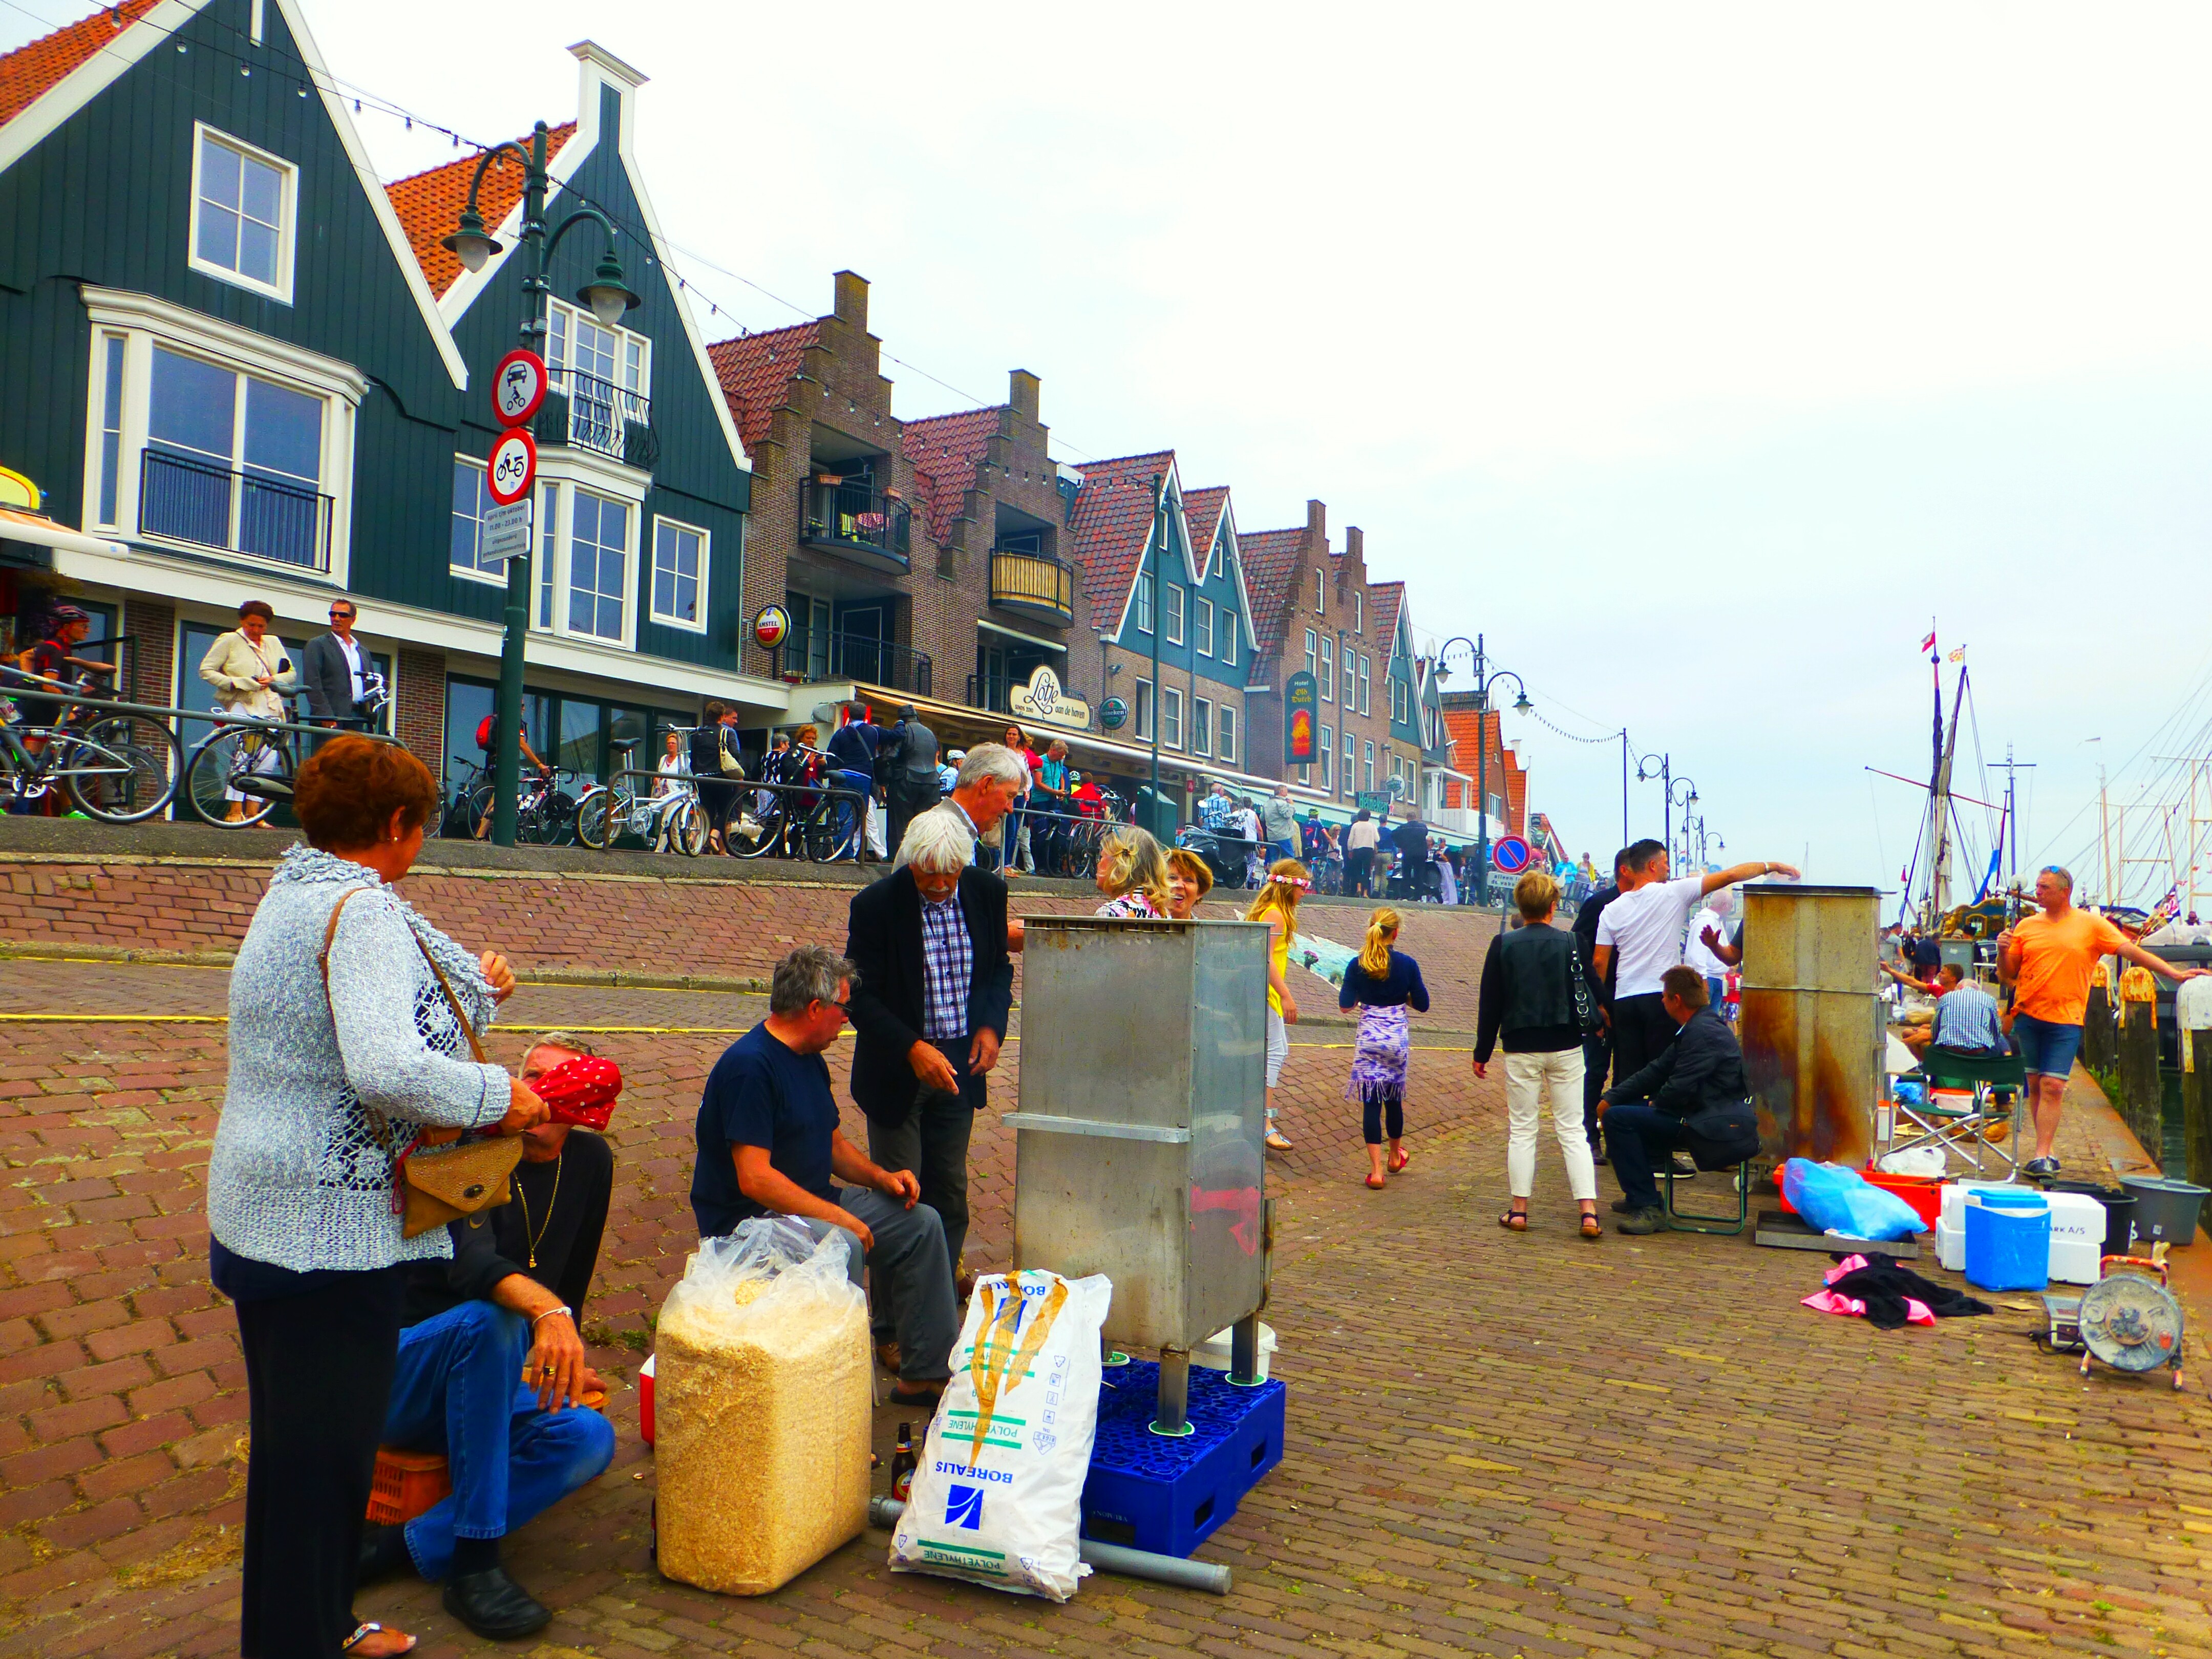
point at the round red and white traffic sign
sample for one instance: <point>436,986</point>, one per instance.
<point>513,466</point>
<point>518,387</point>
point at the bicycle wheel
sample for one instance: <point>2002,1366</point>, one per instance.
<point>477,811</point>
<point>558,819</point>
<point>687,828</point>
<point>217,768</point>
<point>747,834</point>
<point>826,840</point>
<point>123,770</point>
<point>596,816</point>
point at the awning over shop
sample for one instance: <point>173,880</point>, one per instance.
<point>17,525</point>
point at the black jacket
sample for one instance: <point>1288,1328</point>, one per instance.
<point>884,942</point>
<point>327,677</point>
<point>1529,983</point>
<point>564,1210</point>
<point>905,761</point>
<point>1586,930</point>
<point>1698,1078</point>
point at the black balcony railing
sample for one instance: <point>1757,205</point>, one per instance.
<point>192,500</point>
<point>830,656</point>
<point>597,415</point>
<point>1034,584</point>
<point>854,519</point>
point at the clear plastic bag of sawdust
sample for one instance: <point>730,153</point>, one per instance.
<point>998,1499</point>
<point>762,1402</point>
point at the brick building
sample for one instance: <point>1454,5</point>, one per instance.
<point>1505,779</point>
<point>918,560</point>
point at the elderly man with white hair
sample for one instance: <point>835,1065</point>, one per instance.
<point>935,987</point>
<point>991,776</point>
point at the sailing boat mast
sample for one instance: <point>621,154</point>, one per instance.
<point>1939,803</point>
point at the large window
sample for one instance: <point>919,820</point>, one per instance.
<point>1201,726</point>
<point>605,373</point>
<point>1326,678</point>
<point>472,500</point>
<point>1171,717</point>
<point>1229,638</point>
<point>679,575</point>
<point>242,214</point>
<point>234,461</point>
<point>1227,748</point>
<point>548,505</point>
<point>1175,601</point>
<point>598,566</point>
<point>1202,626</point>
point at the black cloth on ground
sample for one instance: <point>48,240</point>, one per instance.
<point>1884,1287</point>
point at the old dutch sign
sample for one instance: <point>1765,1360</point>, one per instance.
<point>1044,699</point>
<point>1299,697</point>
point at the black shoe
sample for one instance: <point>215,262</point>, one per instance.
<point>382,1552</point>
<point>494,1606</point>
<point>1636,1221</point>
<point>1622,1206</point>
<point>1598,1157</point>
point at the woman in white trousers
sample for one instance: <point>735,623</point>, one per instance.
<point>1538,999</point>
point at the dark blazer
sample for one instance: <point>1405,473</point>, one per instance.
<point>1698,1078</point>
<point>327,677</point>
<point>884,943</point>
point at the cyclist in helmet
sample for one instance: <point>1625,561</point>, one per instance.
<point>51,659</point>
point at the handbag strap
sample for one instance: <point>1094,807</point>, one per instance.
<point>331,933</point>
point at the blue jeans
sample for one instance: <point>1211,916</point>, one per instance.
<point>456,1392</point>
<point>2047,1047</point>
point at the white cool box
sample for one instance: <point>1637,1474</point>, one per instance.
<point>2077,1231</point>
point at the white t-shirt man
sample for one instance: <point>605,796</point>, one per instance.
<point>1644,929</point>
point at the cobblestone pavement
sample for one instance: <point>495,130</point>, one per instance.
<point>1499,1444</point>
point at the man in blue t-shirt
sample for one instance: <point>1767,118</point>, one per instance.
<point>768,1145</point>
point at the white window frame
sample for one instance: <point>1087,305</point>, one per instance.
<point>1171,717</point>
<point>563,598</point>
<point>1328,749</point>
<point>1201,627</point>
<point>1144,601</point>
<point>288,212</point>
<point>493,577</point>
<point>1351,679</point>
<point>1359,612</point>
<point>1326,678</point>
<point>560,476</point>
<point>1201,726</point>
<point>1366,664</point>
<point>1321,594</point>
<point>1367,758</point>
<point>1227,747</point>
<point>1348,779</point>
<point>1143,712</point>
<point>652,576</point>
<point>1176,608</point>
<point>143,322</point>
<point>1312,646</point>
<point>560,321</point>
<point>1226,621</point>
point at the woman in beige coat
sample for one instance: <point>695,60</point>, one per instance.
<point>251,671</point>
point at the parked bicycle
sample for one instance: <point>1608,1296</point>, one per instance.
<point>119,768</point>
<point>242,772</point>
<point>674,819</point>
<point>799,820</point>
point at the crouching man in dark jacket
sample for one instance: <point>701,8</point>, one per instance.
<point>1692,1097</point>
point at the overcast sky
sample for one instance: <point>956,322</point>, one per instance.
<point>1695,356</point>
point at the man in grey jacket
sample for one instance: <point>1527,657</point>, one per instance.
<point>906,767</point>
<point>334,671</point>
<point>1280,820</point>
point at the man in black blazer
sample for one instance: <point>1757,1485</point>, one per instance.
<point>929,1012</point>
<point>334,669</point>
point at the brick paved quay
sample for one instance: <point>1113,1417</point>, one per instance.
<point>1499,1444</point>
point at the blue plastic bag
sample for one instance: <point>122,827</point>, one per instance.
<point>1838,1200</point>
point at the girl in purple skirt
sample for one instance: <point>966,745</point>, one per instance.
<point>1385,986</point>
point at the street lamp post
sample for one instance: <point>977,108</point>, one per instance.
<point>1682,792</point>
<point>1521,705</point>
<point>1159,564</point>
<point>1666,776</point>
<point>608,296</point>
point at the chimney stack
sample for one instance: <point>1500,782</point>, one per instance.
<point>1355,545</point>
<point>1022,388</point>
<point>852,302</point>
<point>1317,521</point>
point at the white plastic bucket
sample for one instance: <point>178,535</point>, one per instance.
<point>1213,1352</point>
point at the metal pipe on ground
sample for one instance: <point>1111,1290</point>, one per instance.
<point>883,1515</point>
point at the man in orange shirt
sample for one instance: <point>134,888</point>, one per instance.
<point>2048,959</point>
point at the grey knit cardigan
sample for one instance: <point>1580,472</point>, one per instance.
<point>299,1176</point>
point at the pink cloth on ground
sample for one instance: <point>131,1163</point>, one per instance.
<point>1850,1307</point>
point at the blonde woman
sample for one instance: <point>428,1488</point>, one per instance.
<point>1132,873</point>
<point>1539,996</point>
<point>1277,904</point>
<point>1385,985</point>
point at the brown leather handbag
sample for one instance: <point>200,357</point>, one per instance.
<point>450,1184</point>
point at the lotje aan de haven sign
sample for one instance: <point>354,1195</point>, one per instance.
<point>1045,699</point>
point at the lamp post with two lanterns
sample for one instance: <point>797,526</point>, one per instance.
<point>1521,706</point>
<point>608,296</point>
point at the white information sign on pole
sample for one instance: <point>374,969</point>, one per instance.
<point>506,532</point>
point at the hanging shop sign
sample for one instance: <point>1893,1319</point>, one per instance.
<point>1113,713</point>
<point>1300,698</point>
<point>772,626</point>
<point>1045,699</point>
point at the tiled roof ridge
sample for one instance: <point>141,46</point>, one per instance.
<point>753,376</point>
<point>429,203</point>
<point>36,67</point>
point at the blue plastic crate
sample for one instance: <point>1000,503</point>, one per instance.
<point>1151,1492</point>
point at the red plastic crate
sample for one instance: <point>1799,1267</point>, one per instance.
<point>406,1484</point>
<point>1924,1193</point>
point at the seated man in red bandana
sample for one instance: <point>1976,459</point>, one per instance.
<point>508,1305</point>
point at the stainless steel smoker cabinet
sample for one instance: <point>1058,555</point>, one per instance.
<point>1138,1146</point>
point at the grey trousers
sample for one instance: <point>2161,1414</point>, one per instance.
<point>912,1275</point>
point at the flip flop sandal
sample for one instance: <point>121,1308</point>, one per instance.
<point>1397,1166</point>
<point>1276,1142</point>
<point>1514,1221</point>
<point>1376,1183</point>
<point>1592,1227</point>
<point>372,1628</point>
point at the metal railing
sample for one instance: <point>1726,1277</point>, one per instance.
<point>854,517</point>
<point>859,657</point>
<point>1036,582</point>
<point>590,413</point>
<point>746,799</point>
<point>185,499</point>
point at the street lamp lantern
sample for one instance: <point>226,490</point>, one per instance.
<point>607,295</point>
<point>1521,704</point>
<point>471,243</point>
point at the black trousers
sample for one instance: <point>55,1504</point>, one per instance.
<point>1597,1052</point>
<point>1641,1030</point>
<point>932,1142</point>
<point>319,1368</point>
<point>900,807</point>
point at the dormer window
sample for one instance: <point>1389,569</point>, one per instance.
<point>607,373</point>
<point>244,204</point>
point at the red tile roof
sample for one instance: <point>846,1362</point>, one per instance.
<point>28,73</point>
<point>430,203</point>
<point>1505,775</point>
<point>1201,512</point>
<point>755,371</point>
<point>1112,519</point>
<point>1271,564</point>
<point>1384,601</point>
<point>945,450</point>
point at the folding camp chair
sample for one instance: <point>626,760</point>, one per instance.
<point>1964,1129</point>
